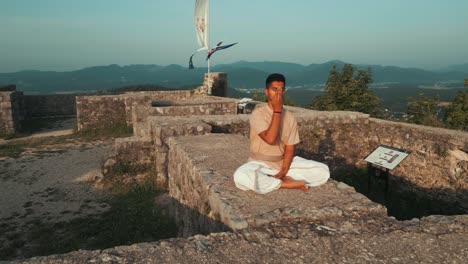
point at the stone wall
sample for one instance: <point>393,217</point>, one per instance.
<point>162,132</point>
<point>136,99</point>
<point>100,111</point>
<point>437,164</point>
<point>195,106</point>
<point>437,167</point>
<point>214,83</point>
<point>187,186</point>
<point>11,111</point>
<point>94,112</point>
<point>51,105</point>
<point>106,110</point>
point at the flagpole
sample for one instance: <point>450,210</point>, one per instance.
<point>208,43</point>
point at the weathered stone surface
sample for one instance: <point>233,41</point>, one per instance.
<point>134,149</point>
<point>440,239</point>
<point>214,83</point>
<point>193,106</point>
<point>11,111</point>
<point>99,111</point>
<point>200,177</point>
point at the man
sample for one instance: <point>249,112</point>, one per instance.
<point>273,135</point>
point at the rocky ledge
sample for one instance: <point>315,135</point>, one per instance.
<point>434,239</point>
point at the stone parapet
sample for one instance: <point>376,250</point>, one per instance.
<point>214,83</point>
<point>94,112</point>
<point>11,111</point>
<point>107,110</point>
<point>197,105</point>
<point>134,149</point>
<point>437,164</point>
<point>436,168</point>
<point>200,170</point>
<point>161,132</point>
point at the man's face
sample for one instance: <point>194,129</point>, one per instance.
<point>275,88</point>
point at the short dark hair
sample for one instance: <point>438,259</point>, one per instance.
<point>274,77</point>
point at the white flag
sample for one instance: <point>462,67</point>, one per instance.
<point>201,22</point>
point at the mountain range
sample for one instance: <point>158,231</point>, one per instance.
<point>241,75</point>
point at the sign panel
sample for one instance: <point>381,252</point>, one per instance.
<point>387,157</point>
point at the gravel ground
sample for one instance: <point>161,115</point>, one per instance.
<point>50,184</point>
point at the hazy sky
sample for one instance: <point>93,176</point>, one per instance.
<point>72,34</point>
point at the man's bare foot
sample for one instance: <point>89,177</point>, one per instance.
<point>292,184</point>
<point>287,178</point>
<point>304,187</point>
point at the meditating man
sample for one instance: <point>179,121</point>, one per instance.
<point>273,134</point>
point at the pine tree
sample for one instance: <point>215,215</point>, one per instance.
<point>456,114</point>
<point>348,91</point>
<point>423,110</point>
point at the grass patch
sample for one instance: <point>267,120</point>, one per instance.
<point>126,167</point>
<point>7,136</point>
<point>132,218</point>
<point>113,131</point>
<point>123,174</point>
<point>12,150</point>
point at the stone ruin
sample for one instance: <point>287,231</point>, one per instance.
<point>194,143</point>
<point>15,108</point>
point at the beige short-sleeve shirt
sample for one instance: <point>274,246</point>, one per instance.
<point>260,120</point>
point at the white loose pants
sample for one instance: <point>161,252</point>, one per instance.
<point>253,175</point>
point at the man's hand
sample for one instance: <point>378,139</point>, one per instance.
<point>277,102</point>
<point>279,175</point>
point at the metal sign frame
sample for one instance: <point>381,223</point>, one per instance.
<point>377,170</point>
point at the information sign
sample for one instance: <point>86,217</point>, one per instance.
<point>387,157</point>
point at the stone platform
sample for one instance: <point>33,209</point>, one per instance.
<point>200,177</point>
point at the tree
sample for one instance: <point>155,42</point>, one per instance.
<point>349,91</point>
<point>423,110</point>
<point>456,114</point>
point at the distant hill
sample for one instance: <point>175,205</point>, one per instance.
<point>242,74</point>
<point>265,66</point>
<point>394,99</point>
<point>459,67</point>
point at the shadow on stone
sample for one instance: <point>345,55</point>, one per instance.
<point>132,218</point>
<point>404,200</point>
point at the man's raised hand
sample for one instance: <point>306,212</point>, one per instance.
<point>277,102</point>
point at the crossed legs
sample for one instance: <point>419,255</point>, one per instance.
<point>289,183</point>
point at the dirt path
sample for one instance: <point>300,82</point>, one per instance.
<point>49,128</point>
<point>49,185</point>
